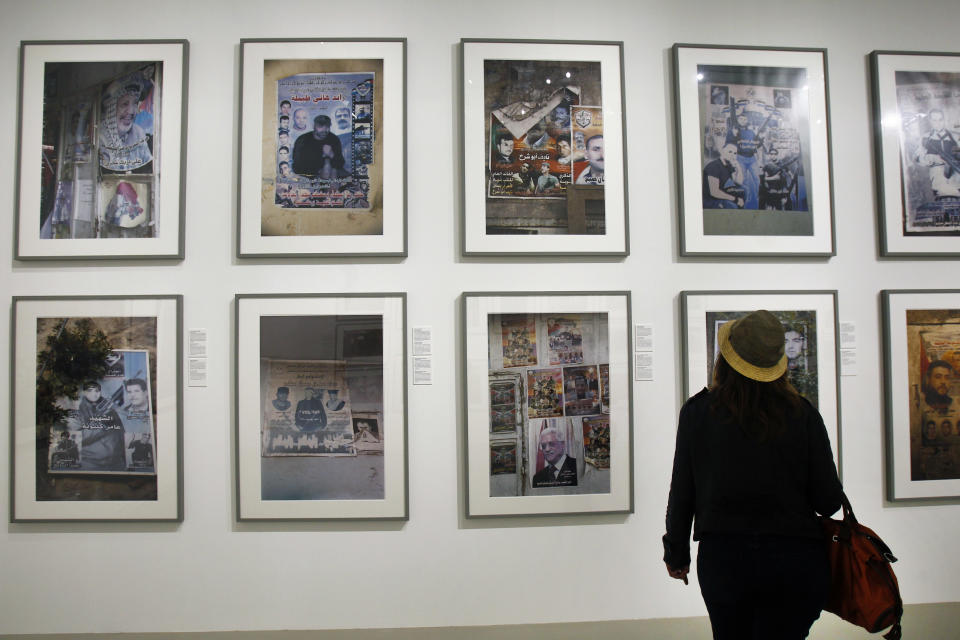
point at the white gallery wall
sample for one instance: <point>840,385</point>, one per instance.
<point>211,573</point>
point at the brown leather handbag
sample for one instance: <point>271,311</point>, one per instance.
<point>863,588</point>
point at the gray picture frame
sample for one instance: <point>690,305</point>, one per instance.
<point>694,240</point>
<point>693,332</point>
<point>24,311</point>
<point>171,217</point>
<point>392,241</point>
<point>902,398</point>
<point>249,503</point>
<point>475,308</point>
<point>475,241</point>
<point>889,124</point>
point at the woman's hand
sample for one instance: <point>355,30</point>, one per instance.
<point>679,574</point>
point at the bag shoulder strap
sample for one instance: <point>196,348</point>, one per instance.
<point>848,516</point>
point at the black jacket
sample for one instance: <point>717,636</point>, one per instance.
<point>734,483</point>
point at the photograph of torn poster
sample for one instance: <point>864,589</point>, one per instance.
<point>754,150</point>
<point>916,128</point>
<point>921,387</point>
<point>543,138</point>
<point>544,438</point>
<point>752,131</point>
<point>322,147</point>
<point>322,427</point>
<point>558,399</point>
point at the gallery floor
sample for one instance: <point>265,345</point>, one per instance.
<point>927,621</point>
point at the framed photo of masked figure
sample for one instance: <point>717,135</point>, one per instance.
<point>544,158</point>
<point>322,147</point>
<point>921,330</point>
<point>97,428</point>
<point>547,413</point>
<point>810,331</point>
<point>102,139</point>
<point>753,151</point>
<point>916,124</point>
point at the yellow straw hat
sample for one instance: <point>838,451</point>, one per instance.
<point>753,346</point>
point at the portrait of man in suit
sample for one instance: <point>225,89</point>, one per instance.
<point>560,469</point>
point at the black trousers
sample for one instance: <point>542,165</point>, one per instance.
<point>762,587</point>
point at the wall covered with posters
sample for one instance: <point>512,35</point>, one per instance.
<point>212,573</point>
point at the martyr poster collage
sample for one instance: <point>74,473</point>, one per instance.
<point>549,404</point>
<point>323,173</point>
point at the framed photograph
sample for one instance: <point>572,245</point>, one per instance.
<point>921,330</point>
<point>916,124</point>
<point>548,403</point>
<point>753,151</point>
<point>323,148</point>
<point>810,328</point>
<point>102,139</point>
<point>97,426</point>
<point>321,430</point>
<point>540,118</point>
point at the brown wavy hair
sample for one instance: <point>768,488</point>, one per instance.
<point>761,409</point>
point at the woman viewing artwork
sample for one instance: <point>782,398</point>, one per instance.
<point>752,469</point>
